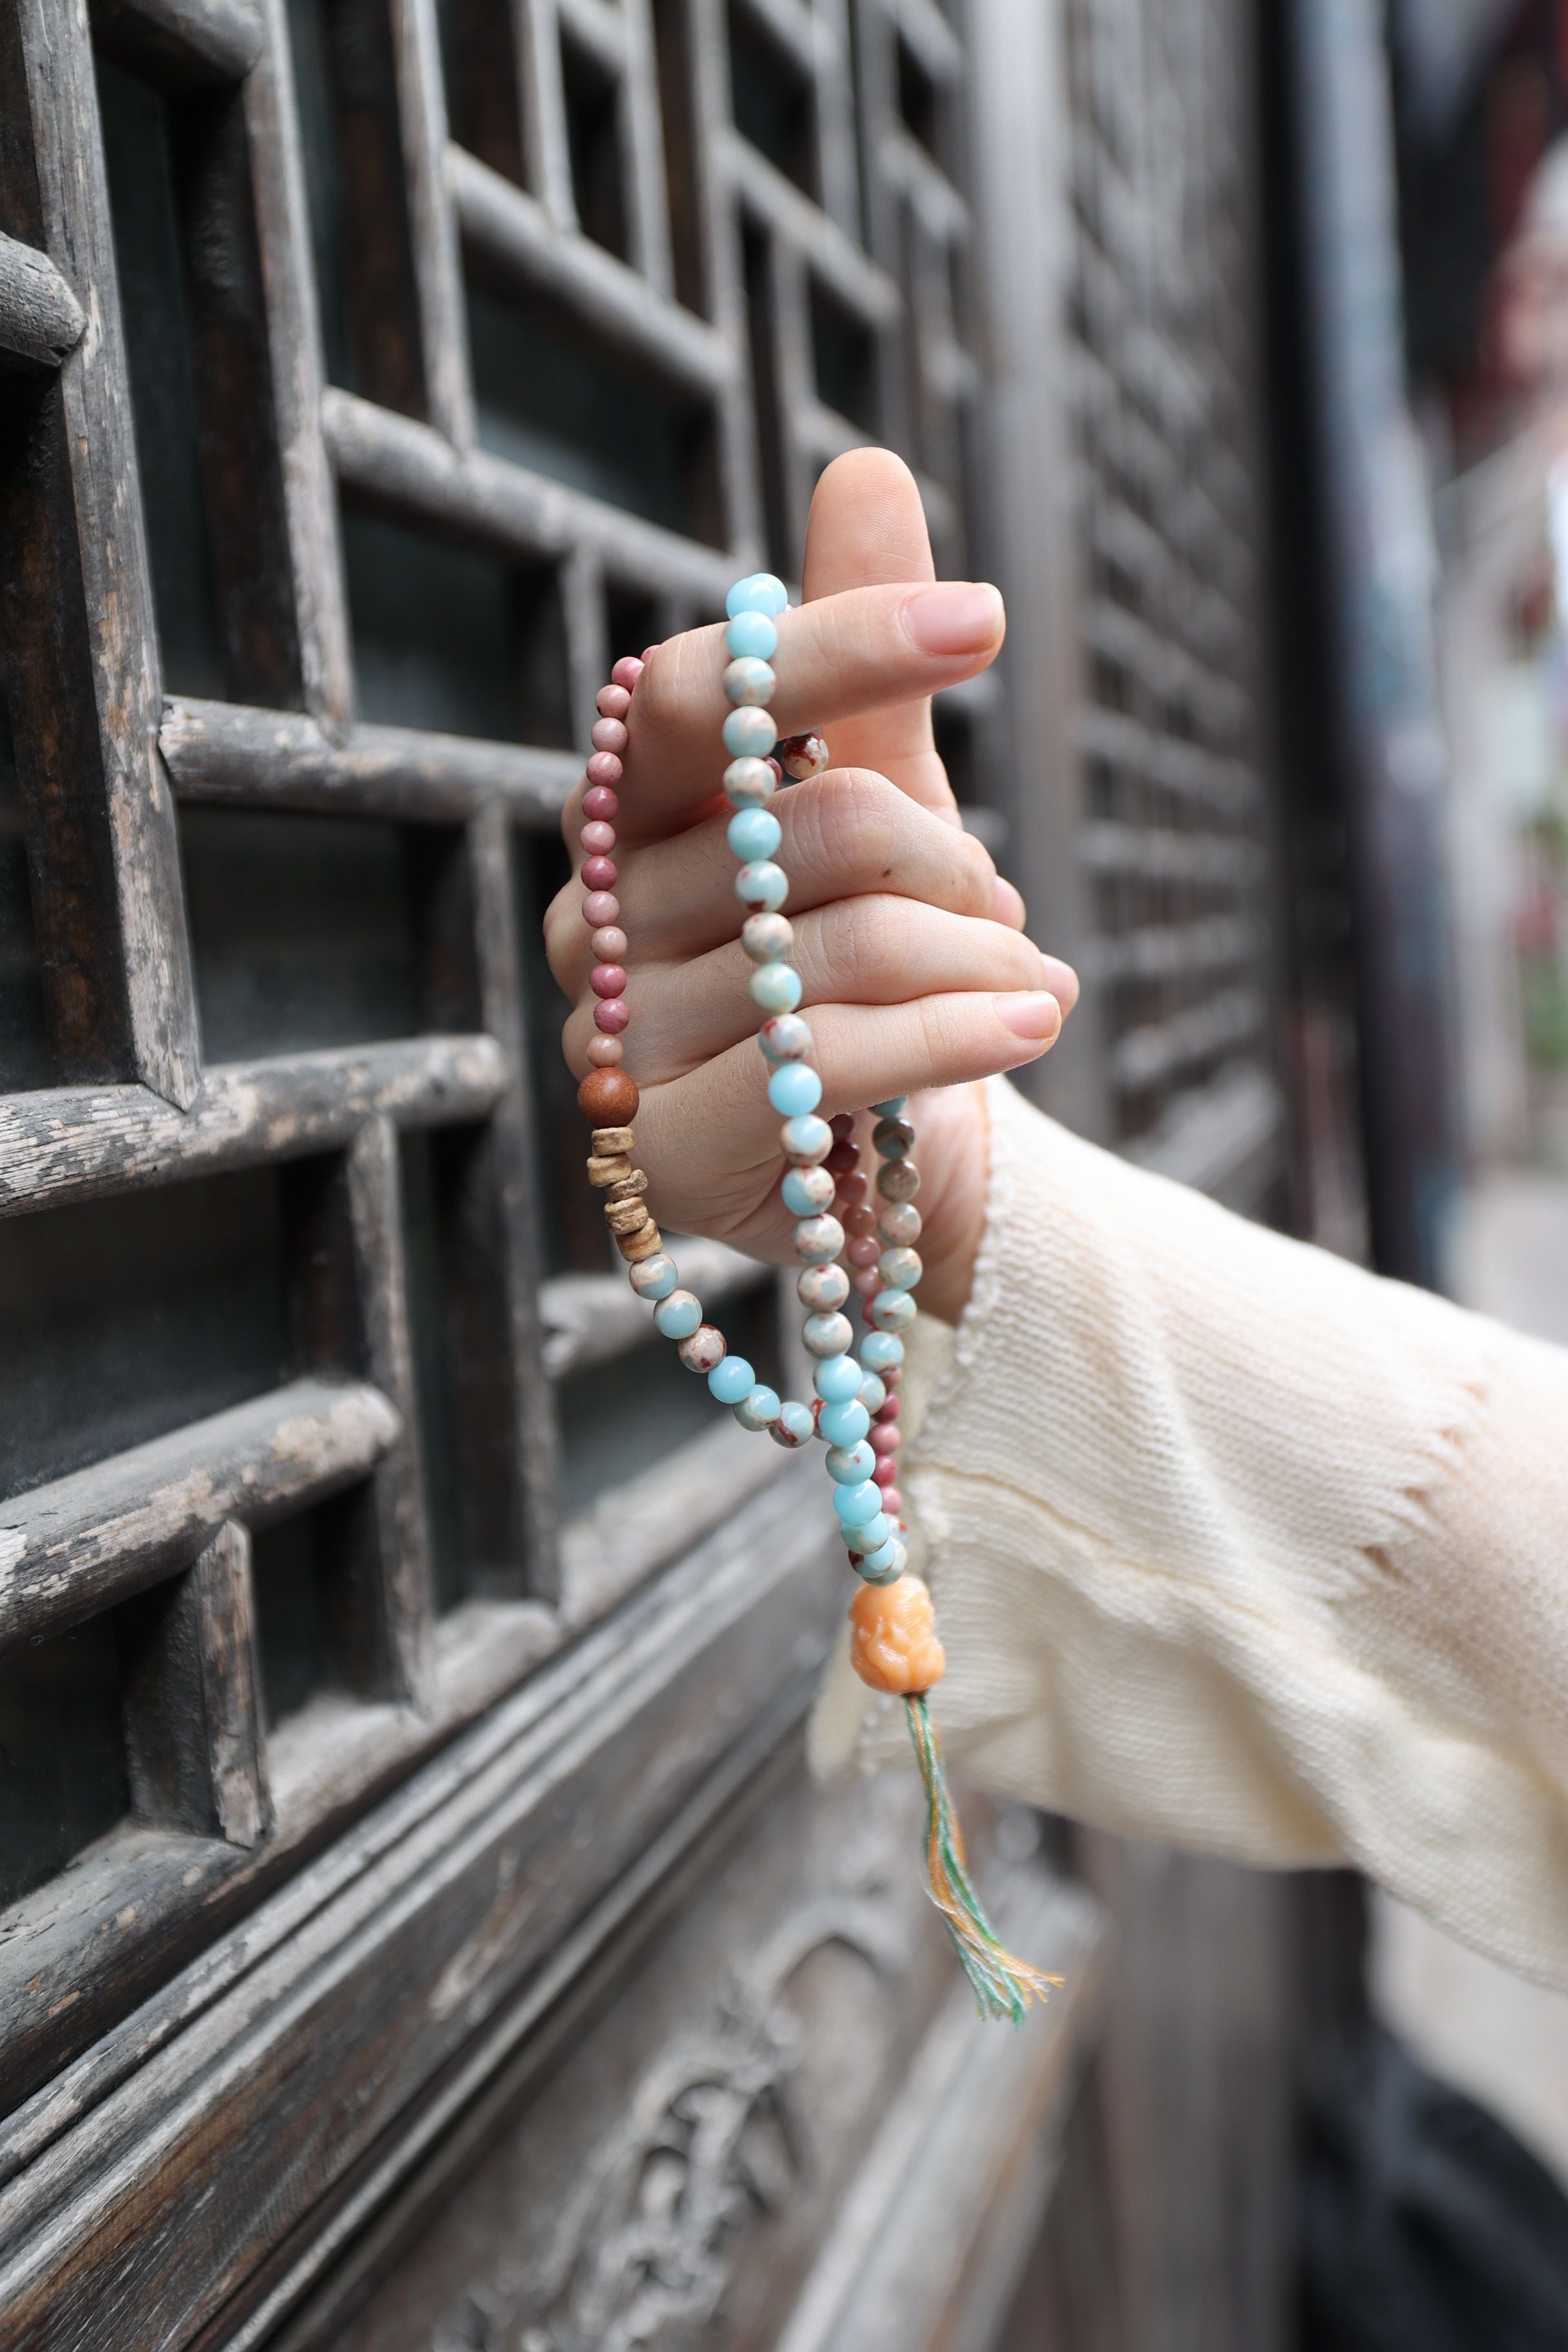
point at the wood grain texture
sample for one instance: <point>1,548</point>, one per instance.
<point>40,318</point>
<point>441,320</point>
<point>70,1549</point>
<point>71,1143</point>
<point>190,1684</point>
<point>181,44</point>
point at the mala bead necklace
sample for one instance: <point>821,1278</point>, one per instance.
<point>844,1241</point>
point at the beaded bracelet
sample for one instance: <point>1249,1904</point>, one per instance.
<point>855,1405</point>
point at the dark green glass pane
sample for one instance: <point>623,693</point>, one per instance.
<point>163,382</point>
<point>287,1586</point>
<point>304,929</point>
<point>63,1756</point>
<point>845,361</point>
<point>26,1059</point>
<point>574,1235</point>
<point>319,143</point>
<point>772,101</point>
<point>432,1366</point>
<point>120,1319</point>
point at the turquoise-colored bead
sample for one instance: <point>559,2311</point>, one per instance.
<point>750,635</point>
<point>837,1378</point>
<point>873,1394</point>
<point>891,1310</point>
<point>753,832</point>
<point>759,1410</point>
<point>886,1566</point>
<point>750,684</point>
<point>899,1268</point>
<point>807,1192</point>
<point>848,1464</point>
<point>806,1138</point>
<point>759,591</point>
<point>678,1317</point>
<point>730,1380</point>
<point>856,1504</point>
<point>843,1425</point>
<point>761,886</point>
<point>775,988</point>
<point>881,1351</point>
<point>749,784</point>
<point>892,1108</point>
<point>794,1088</point>
<point>656,1277</point>
<point>796,1424</point>
<point>749,734</point>
<point>786,1038</point>
<point>871,1534</point>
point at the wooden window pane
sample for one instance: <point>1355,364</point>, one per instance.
<point>774,102</point>
<point>62,1761</point>
<point>290,1636</point>
<point>26,1058</point>
<point>844,351</point>
<point>592,137</point>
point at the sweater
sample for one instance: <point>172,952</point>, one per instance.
<point>1240,1548</point>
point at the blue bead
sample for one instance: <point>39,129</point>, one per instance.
<point>847,1465</point>
<point>796,1426</point>
<point>753,832</point>
<point>731,1379</point>
<point>794,1088</point>
<point>887,1565</point>
<point>873,1393</point>
<point>750,782</point>
<point>750,684</point>
<point>749,733</point>
<point>759,1410</point>
<point>856,1504</point>
<point>759,591</point>
<point>654,1278</point>
<point>892,1108</point>
<point>678,1318</point>
<point>809,1138</point>
<point>786,1038</point>
<point>837,1378</point>
<point>871,1534</point>
<point>775,988</point>
<point>899,1268</point>
<point>843,1425</point>
<point>750,633</point>
<point>881,1350</point>
<point>807,1192</point>
<point>891,1310</point>
<point>761,886</point>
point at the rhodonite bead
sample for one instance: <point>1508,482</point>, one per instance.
<point>893,1644</point>
<point>802,756</point>
<point>604,769</point>
<point>853,1187</point>
<point>847,1465</point>
<point>603,1052</point>
<point>845,1157</point>
<point>704,1349</point>
<point>900,1222</point>
<point>656,1279</point>
<point>679,1315</point>
<point>599,801</point>
<point>600,906</point>
<point>613,1016</point>
<point>897,1180</point>
<point>859,1222</point>
<point>607,979</point>
<point>866,1282</point>
<point>600,873</point>
<point>889,1408</point>
<point>884,1437</point>
<point>749,784</point>
<point>749,734</point>
<point>809,1138</point>
<point>817,1239</point>
<point>627,671</point>
<point>753,834</point>
<point>901,1268</point>
<point>804,1191</point>
<point>730,1380</point>
<point>796,1426</point>
<point>893,1504</point>
<point>827,1334</point>
<point>598,838</point>
<point>821,1288</point>
<point>794,1088</point>
<point>609,944</point>
<point>893,1138</point>
<point>762,886</point>
<point>608,1097</point>
<point>759,1409</point>
<point>613,701</point>
<point>749,683</point>
<point>775,988</point>
<point>862,1250</point>
<point>767,937</point>
<point>609,735</point>
<point>787,1038</point>
<point>843,1125</point>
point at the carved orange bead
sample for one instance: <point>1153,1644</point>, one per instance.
<point>893,1644</point>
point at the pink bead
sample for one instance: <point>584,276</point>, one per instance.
<point>860,1222</point>
<point>892,1502</point>
<point>600,873</point>
<point>603,768</point>
<point>600,801</point>
<point>884,1437</point>
<point>627,671</point>
<point>853,1186</point>
<point>891,1379</point>
<point>612,1016</point>
<point>607,979</point>
<point>843,1124</point>
<point>604,1051</point>
<point>889,1408</point>
<point>863,1250</point>
<point>647,654</point>
<point>600,906</point>
<point>609,735</point>
<point>866,1281</point>
<point>598,838</point>
<point>609,944</point>
<point>611,701</point>
<point>884,1472</point>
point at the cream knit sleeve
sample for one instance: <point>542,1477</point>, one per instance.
<point>1238,1547</point>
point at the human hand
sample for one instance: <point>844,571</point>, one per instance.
<point>917,977</point>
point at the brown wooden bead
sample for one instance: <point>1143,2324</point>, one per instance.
<point>626,1216</point>
<point>635,1247</point>
<point>608,1097</point>
<point>893,1644</point>
<point>612,1142</point>
<point>609,1169</point>
<point>628,1187</point>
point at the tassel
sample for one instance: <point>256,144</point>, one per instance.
<point>1003,1987</point>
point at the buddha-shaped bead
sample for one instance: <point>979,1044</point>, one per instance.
<point>893,1644</point>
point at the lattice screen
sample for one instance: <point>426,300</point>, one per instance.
<point>373,373</point>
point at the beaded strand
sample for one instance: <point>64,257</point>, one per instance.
<point>854,1406</point>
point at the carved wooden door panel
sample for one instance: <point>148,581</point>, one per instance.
<point>418,1926</point>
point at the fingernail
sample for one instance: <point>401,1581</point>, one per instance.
<point>961,616</point>
<point>1032,1015</point>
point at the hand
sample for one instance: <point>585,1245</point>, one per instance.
<point>918,979</point>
